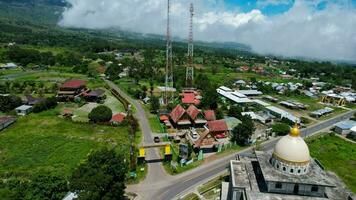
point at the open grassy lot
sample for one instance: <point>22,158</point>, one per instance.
<point>336,155</point>
<point>81,114</point>
<point>47,142</point>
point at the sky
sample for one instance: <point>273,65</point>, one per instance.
<point>317,29</point>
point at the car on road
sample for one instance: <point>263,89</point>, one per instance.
<point>156,139</point>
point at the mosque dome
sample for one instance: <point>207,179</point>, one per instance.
<point>292,151</point>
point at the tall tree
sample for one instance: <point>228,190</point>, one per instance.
<point>154,103</point>
<point>243,132</point>
<point>235,111</point>
<point>101,177</point>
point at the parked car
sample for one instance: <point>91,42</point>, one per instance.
<point>156,139</point>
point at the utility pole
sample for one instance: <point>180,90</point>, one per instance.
<point>189,80</point>
<point>169,59</point>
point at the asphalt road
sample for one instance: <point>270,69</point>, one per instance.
<point>155,169</point>
<point>159,185</point>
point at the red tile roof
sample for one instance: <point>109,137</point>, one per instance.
<point>177,113</point>
<point>190,98</point>
<point>217,126</point>
<point>74,84</point>
<point>118,118</point>
<point>193,112</point>
<point>163,118</point>
<point>210,115</point>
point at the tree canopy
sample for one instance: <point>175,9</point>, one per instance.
<point>101,177</point>
<point>280,128</point>
<point>242,133</point>
<point>8,103</point>
<point>100,114</point>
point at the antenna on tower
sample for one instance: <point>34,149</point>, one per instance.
<point>190,67</point>
<point>169,59</point>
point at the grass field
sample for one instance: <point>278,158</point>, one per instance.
<point>81,114</point>
<point>336,155</point>
<point>47,142</point>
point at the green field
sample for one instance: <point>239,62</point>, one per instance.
<point>81,114</point>
<point>336,155</point>
<point>47,142</point>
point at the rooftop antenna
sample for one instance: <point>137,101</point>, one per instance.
<point>190,67</point>
<point>169,59</point>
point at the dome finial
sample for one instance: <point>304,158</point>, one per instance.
<point>295,132</point>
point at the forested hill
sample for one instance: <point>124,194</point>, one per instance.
<point>46,12</point>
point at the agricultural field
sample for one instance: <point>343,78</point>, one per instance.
<point>336,155</point>
<point>46,141</point>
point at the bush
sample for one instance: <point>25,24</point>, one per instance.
<point>100,114</point>
<point>281,128</point>
<point>48,103</point>
<point>8,103</point>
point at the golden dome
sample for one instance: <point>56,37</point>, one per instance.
<point>295,132</point>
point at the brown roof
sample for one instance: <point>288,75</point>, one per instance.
<point>193,112</point>
<point>202,137</point>
<point>177,113</point>
<point>74,84</point>
<point>4,119</point>
<point>217,126</point>
<point>209,115</point>
<point>96,93</point>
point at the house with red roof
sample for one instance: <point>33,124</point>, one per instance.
<point>190,97</point>
<point>118,118</point>
<point>196,116</point>
<point>218,128</point>
<point>71,89</point>
<point>210,115</point>
<point>179,117</point>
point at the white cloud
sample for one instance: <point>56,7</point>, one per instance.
<point>301,31</point>
<point>265,3</point>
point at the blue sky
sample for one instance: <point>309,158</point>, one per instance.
<point>273,7</point>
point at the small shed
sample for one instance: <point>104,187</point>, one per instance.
<point>23,110</point>
<point>118,118</point>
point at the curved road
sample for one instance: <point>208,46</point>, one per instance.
<point>159,185</point>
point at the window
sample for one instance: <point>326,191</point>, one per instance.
<point>278,185</point>
<point>277,166</point>
<point>298,171</point>
<point>314,188</point>
<point>284,168</point>
<point>291,170</point>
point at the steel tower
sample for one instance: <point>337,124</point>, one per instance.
<point>169,59</point>
<point>190,67</point>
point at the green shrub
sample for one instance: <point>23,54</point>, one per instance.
<point>100,114</point>
<point>281,128</point>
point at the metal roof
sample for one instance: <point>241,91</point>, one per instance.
<point>345,125</point>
